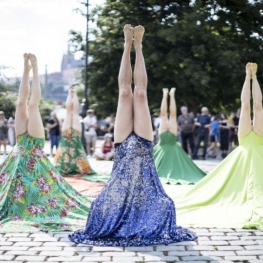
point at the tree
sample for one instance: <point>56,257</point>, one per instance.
<point>201,47</point>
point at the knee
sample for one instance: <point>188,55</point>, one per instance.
<point>245,105</point>
<point>125,92</point>
<point>33,104</point>
<point>257,105</point>
<point>21,103</point>
<point>140,92</point>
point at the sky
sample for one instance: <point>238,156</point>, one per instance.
<point>40,27</point>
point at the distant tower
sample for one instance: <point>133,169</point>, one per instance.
<point>69,61</point>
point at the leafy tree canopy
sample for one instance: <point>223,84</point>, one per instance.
<point>200,47</point>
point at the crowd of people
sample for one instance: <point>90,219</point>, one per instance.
<point>210,132</point>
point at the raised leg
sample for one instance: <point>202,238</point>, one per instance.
<point>21,114</point>
<point>142,118</point>
<point>245,127</point>
<point>163,113</point>
<point>72,107</point>
<point>257,102</point>
<point>35,125</point>
<point>173,117</point>
<point>124,115</point>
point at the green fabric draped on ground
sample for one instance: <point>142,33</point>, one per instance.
<point>230,196</point>
<point>172,163</point>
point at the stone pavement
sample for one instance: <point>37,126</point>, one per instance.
<point>213,245</point>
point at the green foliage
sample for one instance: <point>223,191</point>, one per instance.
<point>200,47</point>
<point>8,104</point>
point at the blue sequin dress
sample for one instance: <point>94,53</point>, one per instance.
<point>133,208</point>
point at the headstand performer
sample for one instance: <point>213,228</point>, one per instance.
<point>71,158</point>
<point>132,209</point>
<point>172,163</point>
<point>230,196</point>
<point>32,193</point>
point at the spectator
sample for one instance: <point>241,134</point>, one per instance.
<point>54,132</point>
<point>110,127</point>
<point>90,122</point>
<point>107,149</point>
<point>232,130</point>
<point>186,127</point>
<point>202,123</point>
<point>224,134</point>
<point>214,131</point>
<point>11,130</point>
<point>3,130</point>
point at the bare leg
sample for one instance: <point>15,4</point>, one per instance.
<point>142,118</point>
<point>257,102</point>
<point>124,115</point>
<point>35,125</point>
<point>245,127</point>
<point>21,115</point>
<point>173,117</point>
<point>163,113</point>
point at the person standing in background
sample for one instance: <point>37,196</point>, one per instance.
<point>11,130</point>
<point>90,124</point>
<point>3,131</point>
<point>214,134</point>
<point>203,124</point>
<point>54,132</point>
<point>224,134</point>
<point>186,126</point>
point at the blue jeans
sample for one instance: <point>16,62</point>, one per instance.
<point>54,140</point>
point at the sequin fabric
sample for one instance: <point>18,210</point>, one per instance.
<point>133,208</point>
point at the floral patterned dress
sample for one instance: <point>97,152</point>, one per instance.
<point>33,195</point>
<point>70,158</point>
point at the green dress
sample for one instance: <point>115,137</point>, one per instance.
<point>70,158</point>
<point>230,196</point>
<point>33,195</point>
<point>172,163</point>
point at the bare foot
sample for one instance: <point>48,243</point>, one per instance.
<point>33,60</point>
<point>165,92</point>
<point>172,91</point>
<point>27,66</point>
<point>254,68</point>
<point>248,70</point>
<point>138,34</point>
<point>128,34</point>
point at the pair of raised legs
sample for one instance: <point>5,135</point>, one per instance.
<point>133,112</point>
<point>72,107</point>
<point>171,123</point>
<point>245,126</point>
<point>27,116</point>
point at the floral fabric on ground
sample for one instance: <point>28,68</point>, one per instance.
<point>33,195</point>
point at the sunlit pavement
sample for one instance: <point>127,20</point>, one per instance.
<point>213,245</point>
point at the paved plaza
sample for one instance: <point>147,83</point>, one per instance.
<point>213,245</point>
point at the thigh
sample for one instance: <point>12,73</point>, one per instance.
<point>163,124</point>
<point>244,127</point>
<point>142,117</point>
<point>94,138</point>
<point>258,121</point>
<point>124,116</point>
<point>35,125</point>
<point>21,118</point>
<point>88,137</point>
<point>57,140</point>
